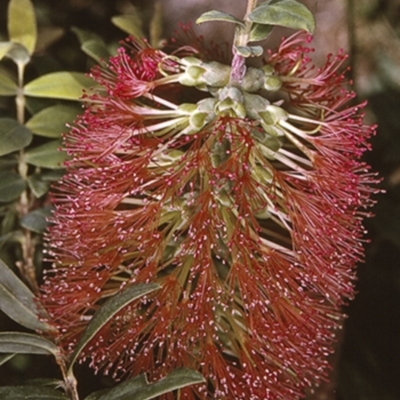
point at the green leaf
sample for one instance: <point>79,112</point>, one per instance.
<point>96,50</point>
<point>47,155</point>
<point>129,387</point>
<point>30,392</point>
<point>22,24</point>
<point>92,44</point>
<point>11,186</point>
<point>59,85</point>
<point>96,395</point>
<point>259,32</point>
<point>84,35</point>
<point>131,24</point>
<point>215,15</point>
<point>107,311</point>
<point>5,357</point>
<point>5,47</point>
<point>38,185</point>
<point>250,51</point>
<point>18,302</point>
<point>36,220</point>
<point>19,54</point>
<point>26,343</point>
<point>139,389</point>
<point>51,122</point>
<point>7,86</point>
<point>287,13</point>
<point>13,136</point>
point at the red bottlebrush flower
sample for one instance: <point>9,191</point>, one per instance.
<point>247,212</point>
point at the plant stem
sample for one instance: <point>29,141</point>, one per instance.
<point>241,39</point>
<point>26,264</point>
<point>70,383</point>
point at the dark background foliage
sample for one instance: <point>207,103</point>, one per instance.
<point>368,361</point>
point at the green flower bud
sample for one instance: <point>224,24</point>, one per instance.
<point>272,83</point>
<point>253,80</point>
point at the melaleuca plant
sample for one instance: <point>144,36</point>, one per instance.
<point>210,217</point>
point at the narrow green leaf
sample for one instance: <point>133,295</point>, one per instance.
<point>36,220</point>
<point>38,185</point>
<point>259,32</point>
<point>7,86</point>
<point>26,343</point>
<point>47,155</point>
<point>18,302</point>
<point>5,357</point>
<point>51,122</point>
<point>30,392</point>
<point>215,15</point>
<point>11,186</point>
<point>131,24</point>
<point>287,13</point>
<point>129,387</point>
<point>96,395</point>
<point>59,85</point>
<point>111,307</point>
<point>22,23</point>
<point>141,390</point>
<point>13,136</point>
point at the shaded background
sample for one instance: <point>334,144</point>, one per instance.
<point>367,361</point>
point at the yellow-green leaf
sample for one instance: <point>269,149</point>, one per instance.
<point>131,24</point>
<point>22,27</point>
<point>47,155</point>
<point>215,15</point>
<point>51,121</point>
<point>59,85</point>
<point>287,13</point>
<point>7,86</point>
<point>5,48</point>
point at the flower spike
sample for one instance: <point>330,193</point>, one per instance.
<point>244,201</point>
